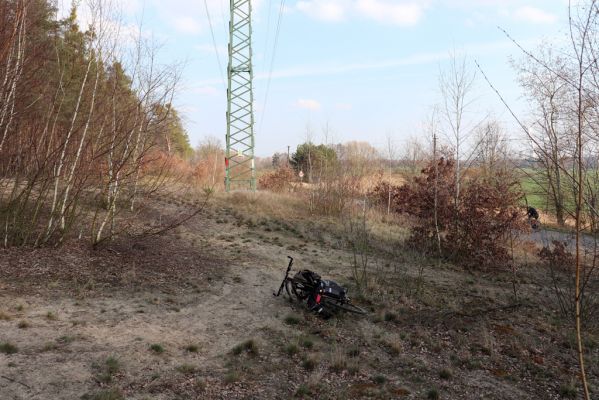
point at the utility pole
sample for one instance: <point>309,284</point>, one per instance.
<point>288,147</point>
<point>436,199</point>
<point>240,172</point>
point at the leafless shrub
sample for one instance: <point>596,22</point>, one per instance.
<point>358,237</point>
<point>561,266</point>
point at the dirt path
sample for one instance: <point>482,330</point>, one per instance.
<point>545,237</point>
<point>56,351</point>
<point>61,340</point>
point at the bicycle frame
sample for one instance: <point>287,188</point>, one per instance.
<point>320,296</point>
<point>286,277</point>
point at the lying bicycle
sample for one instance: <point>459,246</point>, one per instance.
<point>323,296</point>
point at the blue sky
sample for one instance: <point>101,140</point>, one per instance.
<point>367,68</point>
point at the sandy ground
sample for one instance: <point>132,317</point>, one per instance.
<point>71,331</point>
<point>65,328</point>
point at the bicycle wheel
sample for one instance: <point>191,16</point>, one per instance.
<point>300,290</point>
<point>344,305</point>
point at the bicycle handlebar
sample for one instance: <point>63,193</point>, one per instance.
<point>286,276</point>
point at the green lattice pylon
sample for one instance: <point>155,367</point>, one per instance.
<point>239,162</point>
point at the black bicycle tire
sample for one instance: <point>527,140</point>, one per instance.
<point>344,305</point>
<point>287,283</point>
<point>304,293</point>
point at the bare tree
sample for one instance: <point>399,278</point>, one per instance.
<point>456,84</point>
<point>433,127</point>
<point>210,153</point>
<point>582,37</point>
<point>579,79</point>
<point>309,136</point>
<point>492,147</point>
<point>391,155</point>
<point>547,91</point>
<point>414,154</point>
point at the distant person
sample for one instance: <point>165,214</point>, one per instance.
<point>533,217</point>
<point>532,213</point>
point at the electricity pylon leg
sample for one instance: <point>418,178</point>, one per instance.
<point>240,170</point>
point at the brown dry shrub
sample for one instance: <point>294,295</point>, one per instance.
<point>278,180</point>
<point>560,264</point>
<point>209,171</point>
<point>159,163</point>
<point>332,195</point>
<point>474,232</point>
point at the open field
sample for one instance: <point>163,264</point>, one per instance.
<point>190,315</point>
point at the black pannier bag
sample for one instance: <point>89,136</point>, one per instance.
<point>332,289</point>
<point>310,277</point>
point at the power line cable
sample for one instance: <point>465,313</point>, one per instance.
<point>272,62</point>
<point>220,65</point>
<point>222,14</point>
<point>267,33</point>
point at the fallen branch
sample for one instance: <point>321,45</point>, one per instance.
<point>15,381</point>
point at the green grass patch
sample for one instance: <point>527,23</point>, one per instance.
<point>292,319</point>
<point>23,325</point>
<point>310,363</point>
<point>306,342</point>
<point>49,346</point>
<point>8,348</point>
<point>66,339</point>
<point>432,394</point>
<point>249,346</point>
<point>186,369</point>
<point>157,348</point>
<point>107,369</point>
<point>390,316</point>
<point>112,365</point>
<point>291,349</point>
<point>445,373</point>
<point>302,391</point>
<point>192,348</point>
<point>231,377</point>
<point>568,390</point>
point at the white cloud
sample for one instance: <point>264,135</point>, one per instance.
<point>534,15</point>
<point>325,69</point>
<point>423,58</point>
<point>116,9</point>
<point>326,10</point>
<point>190,17</point>
<point>131,7</point>
<point>113,23</point>
<point>402,14</point>
<point>308,104</point>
